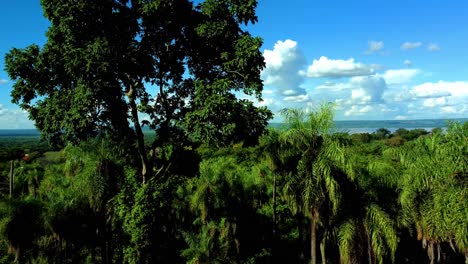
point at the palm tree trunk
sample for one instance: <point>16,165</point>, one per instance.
<point>274,217</point>
<point>300,234</point>
<point>274,206</point>
<point>430,252</point>
<point>322,250</point>
<point>438,252</point>
<point>18,256</point>
<point>369,246</point>
<point>313,236</point>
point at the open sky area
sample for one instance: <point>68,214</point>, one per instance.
<point>375,59</point>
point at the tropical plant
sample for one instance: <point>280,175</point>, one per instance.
<point>433,189</point>
<point>314,189</point>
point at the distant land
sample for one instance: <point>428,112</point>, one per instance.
<point>351,126</point>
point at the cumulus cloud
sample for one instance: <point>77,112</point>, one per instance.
<point>410,45</point>
<point>297,98</point>
<point>368,89</point>
<point>399,76</point>
<point>374,46</point>
<point>438,100</point>
<point>434,102</point>
<point>283,64</point>
<point>461,110</point>
<point>331,86</point>
<point>14,119</point>
<point>360,91</point>
<point>325,67</point>
<point>433,47</point>
<point>457,90</point>
<point>3,81</point>
<point>358,110</point>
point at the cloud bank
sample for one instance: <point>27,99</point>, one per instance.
<point>359,90</point>
<point>329,68</point>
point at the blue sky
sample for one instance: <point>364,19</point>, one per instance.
<point>375,59</point>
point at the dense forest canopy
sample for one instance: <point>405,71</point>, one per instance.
<point>212,184</point>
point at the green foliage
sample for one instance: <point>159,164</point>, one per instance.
<point>20,225</point>
<point>433,190</point>
<point>211,185</point>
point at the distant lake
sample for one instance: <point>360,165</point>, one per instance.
<point>369,126</point>
<point>19,132</point>
<point>354,126</point>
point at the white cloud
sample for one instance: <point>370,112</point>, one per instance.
<point>265,102</point>
<point>282,66</point>
<point>433,47</point>
<point>461,110</point>
<point>437,100</point>
<point>375,46</point>
<point>368,89</point>
<point>357,89</point>
<point>457,90</point>
<point>297,98</point>
<point>325,67</point>
<point>410,45</point>
<point>360,95</point>
<point>14,119</point>
<point>267,91</point>
<point>399,76</point>
<point>434,102</point>
<point>3,81</point>
<point>331,86</point>
<point>357,110</point>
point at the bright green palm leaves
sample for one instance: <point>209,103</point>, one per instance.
<point>314,187</point>
<point>78,191</point>
<point>434,192</point>
<point>311,136</point>
<point>367,231</point>
<point>224,199</point>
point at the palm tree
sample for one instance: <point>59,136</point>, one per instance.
<point>20,224</point>
<point>373,231</point>
<point>433,189</point>
<point>273,149</point>
<point>363,228</point>
<point>314,189</point>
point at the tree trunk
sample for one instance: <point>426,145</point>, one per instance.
<point>274,218</point>
<point>274,206</point>
<point>18,255</point>
<point>300,235</point>
<point>322,250</point>
<point>430,252</point>
<point>313,236</point>
<point>11,178</point>
<point>139,133</point>
<point>369,246</point>
<point>438,252</point>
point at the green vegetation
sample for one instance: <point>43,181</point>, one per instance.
<point>301,194</point>
<point>208,183</point>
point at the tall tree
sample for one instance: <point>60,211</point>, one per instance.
<point>101,58</point>
<point>225,59</point>
<point>314,189</point>
<point>433,189</point>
